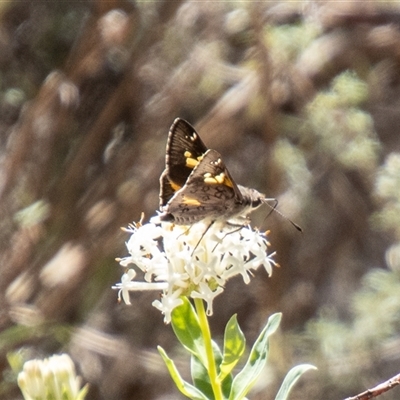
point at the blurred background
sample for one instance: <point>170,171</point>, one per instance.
<point>302,99</point>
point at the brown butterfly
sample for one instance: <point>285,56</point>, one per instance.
<point>196,184</point>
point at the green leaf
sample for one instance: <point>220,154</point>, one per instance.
<point>291,378</point>
<point>234,347</point>
<point>200,377</point>
<point>226,382</point>
<point>247,377</point>
<point>227,385</point>
<point>186,388</point>
<point>200,374</point>
<point>186,326</point>
<point>217,354</point>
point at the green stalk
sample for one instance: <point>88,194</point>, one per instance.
<point>205,329</point>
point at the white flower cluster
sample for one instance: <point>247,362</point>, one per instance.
<point>193,261</point>
<point>52,378</point>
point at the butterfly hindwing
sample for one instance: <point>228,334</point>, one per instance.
<point>208,192</point>
<point>167,189</point>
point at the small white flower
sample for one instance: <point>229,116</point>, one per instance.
<point>194,261</point>
<point>204,292</point>
<point>124,285</point>
<point>127,285</point>
<point>168,302</point>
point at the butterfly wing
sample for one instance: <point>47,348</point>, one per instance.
<point>184,150</point>
<point>209,192</point>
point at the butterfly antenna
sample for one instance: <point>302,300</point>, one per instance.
<point>273,208</point>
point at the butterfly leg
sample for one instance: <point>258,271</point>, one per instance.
<point>186,232</point>
<point>233,224</point>
<point>202,236</point>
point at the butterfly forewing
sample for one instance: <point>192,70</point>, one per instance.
<point>184,150</point>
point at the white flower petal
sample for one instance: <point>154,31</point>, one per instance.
<point>207,295</point>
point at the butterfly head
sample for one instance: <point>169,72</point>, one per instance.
<point>251,200</point>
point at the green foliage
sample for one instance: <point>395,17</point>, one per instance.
<point>234,347</point>
<point>294,166</point>
<point>348,348</point>
<point>200,377</point>
<point>54,334</point>
<point>32,214</point>
<point>378,293</point>
<point>291,378</point>
<point>183,318</point>
<point>184,387</point>
<point>343,129</point>
<point>188,329</point>
<point>286,42</point>
<point>387,188</point>
<point>247,377</point>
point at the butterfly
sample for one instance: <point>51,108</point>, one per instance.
<point>197,185</point>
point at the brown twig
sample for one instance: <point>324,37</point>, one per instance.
<point>377,390</point>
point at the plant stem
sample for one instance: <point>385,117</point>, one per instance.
<point>205,329</point>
